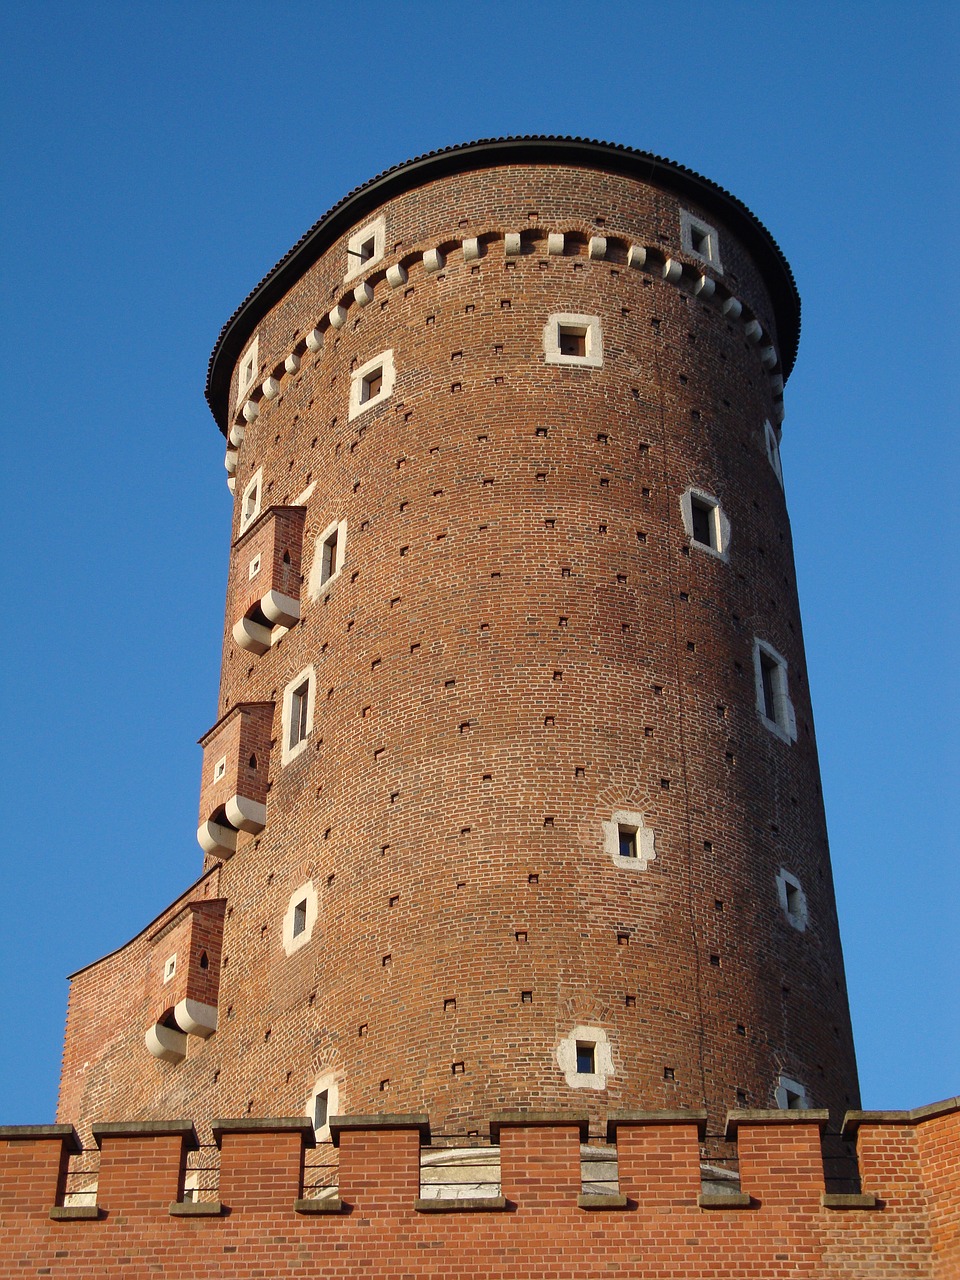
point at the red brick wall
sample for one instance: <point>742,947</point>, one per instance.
<point>542,1230</point>
<point>521,642</point>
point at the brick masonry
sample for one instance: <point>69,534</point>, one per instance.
<point>782,1224</point>
<point>523,640</point>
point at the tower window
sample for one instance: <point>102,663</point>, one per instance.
<point>586,1058</point>
<point>771,442</point>
<point>248,369</point>
<point>250,501</point>
<point>297,714</point>
<point>254,567</point>
<point>791,1095</point>
<point>628,842</point>
<point>365,247</point>
<point>792,899</point>
<point>328,565</point>
<point>320,1105</point>
<point>220,768</point>
<point>300,918</point>
<point>773,698</point>
<point>704,522</point>
<point>700,240</point>
<point>573,339</point>
<point>170,967</point>
<point>371,383</point>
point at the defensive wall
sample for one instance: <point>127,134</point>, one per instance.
<point>658,1223</point>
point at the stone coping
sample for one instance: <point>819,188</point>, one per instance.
<point>611,1200</point>
<point>538,1120</point>
<point>475,1204</point>
<point>40,1132</point>
<point>724,1200</point>
<point>629,1119</point>
<point>776,1117</point>
<point>400,1121</point>
<point>147,1129</point>
<point>195,1209</point>
<point>834,1200</point>
<point>854,1119</point>
<point>261,1124</point>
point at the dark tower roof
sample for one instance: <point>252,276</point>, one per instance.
<point>485,154</point>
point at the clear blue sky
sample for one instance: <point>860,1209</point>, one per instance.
<point>159,158</point>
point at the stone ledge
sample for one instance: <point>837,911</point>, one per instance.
<point>591,1201</point>
<point>148,1129</point>
<point>724,1200</point>
<point>616,1119</point>
<point>539,1120</point>
<point>195,1209</point>
<point>259,1124</point>
<point>75,1212</point>
<point>833,1200</point>
<point>775,1117</point>
<point>39,1132</point>
<point>399,1121</point>
<point>478,1204</point>
<point>312,1204</point>
<point>854,1119</point>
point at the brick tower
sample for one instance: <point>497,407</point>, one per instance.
<point>512,796</point>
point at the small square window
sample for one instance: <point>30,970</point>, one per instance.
<point>628,842</point>
<point>365,247</point>
<point>586,1058</point>
<point>254,567</point>
<point>170,968</point>
<point>793,900</point>
<point>573,340</point>
<point>371,383</point>
<point>220,768</point>
<point>300,918</point>
<point>791,1095</point>
<point>700,240</point>
<point>704,522</point>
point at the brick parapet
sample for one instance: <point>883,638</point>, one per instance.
<point>779,1227</point>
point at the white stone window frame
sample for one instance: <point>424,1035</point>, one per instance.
<point>170,967</point>
<point>254,567</point>
<point>220,769</point>
<point>801,916</point>
<point>388,376</point>
<point>306,677</point>
<point>693,230</point>
<point>306,892</point>
<point>375,231</point>
<point>784,726</point>
<point>248,369</point>
<point>719,521</point>
<point>329,1081</point>
<point>250,501</point>
<point>787,1088</point>
<point>771,442</point>
<point>602,1058</point>
<point>593,340</point>
<point>317,583</point>
<point>632,821</point>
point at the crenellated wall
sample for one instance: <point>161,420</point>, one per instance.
<point>658,1224</point>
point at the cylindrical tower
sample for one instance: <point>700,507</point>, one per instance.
<point>514,790</point>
